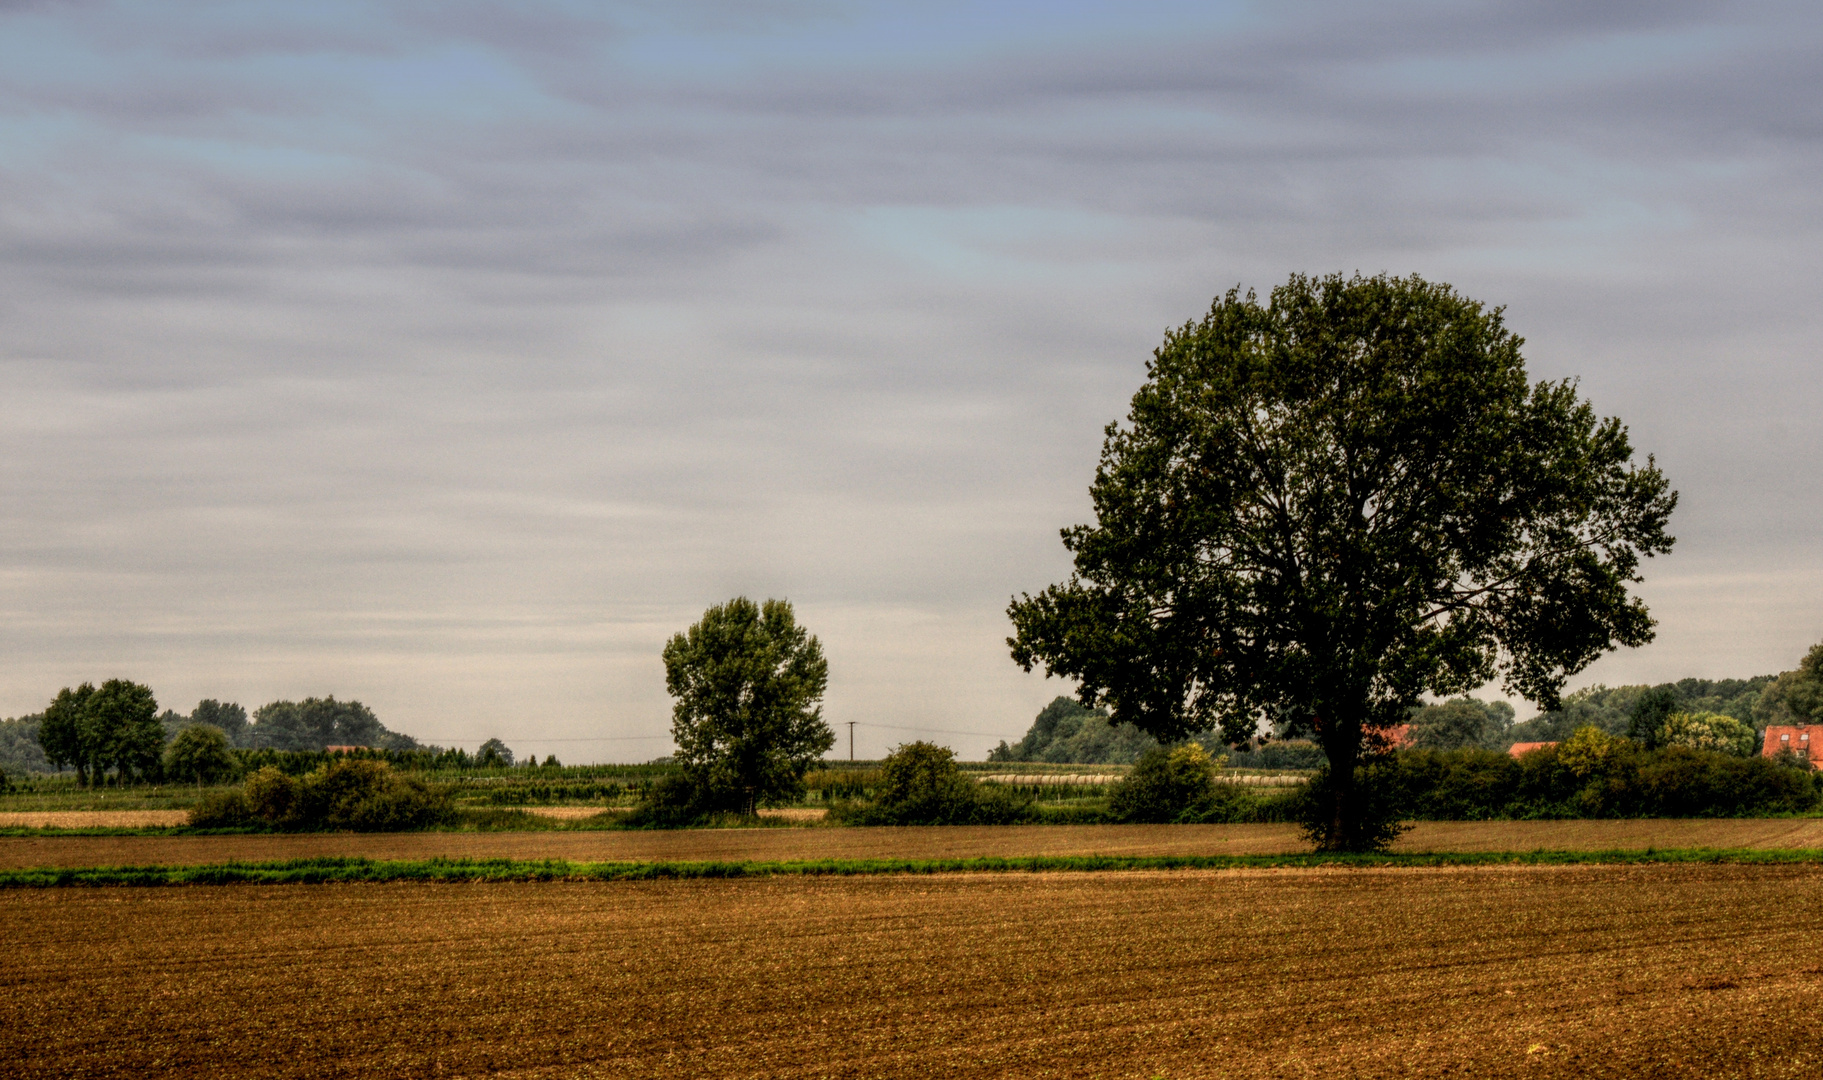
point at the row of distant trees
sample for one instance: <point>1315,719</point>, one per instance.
<point>1726,715</point>
<point>116,732</point>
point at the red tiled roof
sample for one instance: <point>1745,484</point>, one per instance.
<point>1798,738</point>
<point>1519,748</point>
<point>345,749</point>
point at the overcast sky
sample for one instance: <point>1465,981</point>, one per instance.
<point>451,356</point>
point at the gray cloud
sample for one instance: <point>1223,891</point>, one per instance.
<point>452,357</point>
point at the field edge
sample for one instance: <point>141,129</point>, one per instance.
<point>357,870</point>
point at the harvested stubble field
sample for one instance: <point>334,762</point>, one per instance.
<point>1584,971</point>
<point>795,844</point>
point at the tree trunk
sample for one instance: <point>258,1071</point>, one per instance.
<point>1342,746</point>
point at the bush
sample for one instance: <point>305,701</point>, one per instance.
<point>671,803</point>
<point>222,810</point>
<point>1594,774</point>
<point>1279,754</point>
<point>920,785</point>
<point>357,795</point>
<point>1165,785</point>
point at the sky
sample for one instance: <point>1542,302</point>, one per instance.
<point>452,356</point>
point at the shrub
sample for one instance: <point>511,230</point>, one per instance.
<point>222,810</point>
<point>1165,785</point>
<point>275,799</point>
<point>1599,775</point>
<point>920,784</point>
<point>368,796</point>
<point>356,794</point>
<point>671,803</point>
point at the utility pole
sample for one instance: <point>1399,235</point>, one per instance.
<point>851,740</point>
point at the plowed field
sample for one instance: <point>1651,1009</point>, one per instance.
<point>1697,971</point>
<point>920,843</point>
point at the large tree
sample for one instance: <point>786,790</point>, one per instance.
<point>1328,505</point>
<point>747,680</point>
<point>95,729</point>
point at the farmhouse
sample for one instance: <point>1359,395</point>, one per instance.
<point>1797,739</point>
<point>1521,748</point>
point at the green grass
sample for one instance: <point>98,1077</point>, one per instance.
<point>348,870</point>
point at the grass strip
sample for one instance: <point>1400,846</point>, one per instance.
<point>332,870</point>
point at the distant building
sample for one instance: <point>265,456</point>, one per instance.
<point>1797,739</point>
<point>345,749</point>
<point>1520,748</point>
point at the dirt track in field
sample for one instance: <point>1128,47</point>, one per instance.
<point>1662,971</point>
<point>919,843</point>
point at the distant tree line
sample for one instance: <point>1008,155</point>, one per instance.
<point>115,734</point>
<point>1724,715</point>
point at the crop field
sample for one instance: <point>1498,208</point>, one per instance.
<point>1698,971</point>
<point>789,844</point>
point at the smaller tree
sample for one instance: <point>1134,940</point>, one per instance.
<point>1458,723</point>
<point>493,755</point>
<point>747,680</point>
<point>1646,722</point>
<point>201,753</point>
<point>1795,697</point>
<point>1165,784</point>
<point>1707,731</point>
<point>229,716</point>
<point>60,733</point>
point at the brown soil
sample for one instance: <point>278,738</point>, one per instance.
<point>1663,971</point>
<point>911,843</point>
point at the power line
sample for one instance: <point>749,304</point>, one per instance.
<point>935,731</point>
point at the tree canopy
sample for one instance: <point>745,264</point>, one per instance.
<point>315,723</point>
<point>1323,507</point>
<point>1065,732</point>
<point>747,681</point>
<point>200,753</point>
<point>1795,697</point>
<point>113,727</point>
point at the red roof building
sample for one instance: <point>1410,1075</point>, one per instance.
<point>344,749</point>
<point>1797,738</point>
<point>1520,748</point>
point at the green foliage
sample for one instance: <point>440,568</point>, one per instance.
<point>1594,774</point>
<point>747,682</point>
<point>1277,754</point>
<point>1612,708</point>
<point>315,723</point>
<point>1646,720</point>
<point>494,754</point>
<point>920,785</point>
<point>1065,732</point>
<point>1795,697</point>
<point>114,727</point>
<point>1458,723</point>
<point>230,717</point>
<point>20,752</point>
<point>1707,731</point>
<point>348,794</point>
<point>673,802</point>
<point>1325,507</point>
<point>1165,785</point>
<point>200,753</point>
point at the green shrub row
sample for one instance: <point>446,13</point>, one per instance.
<point>361,795</point>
